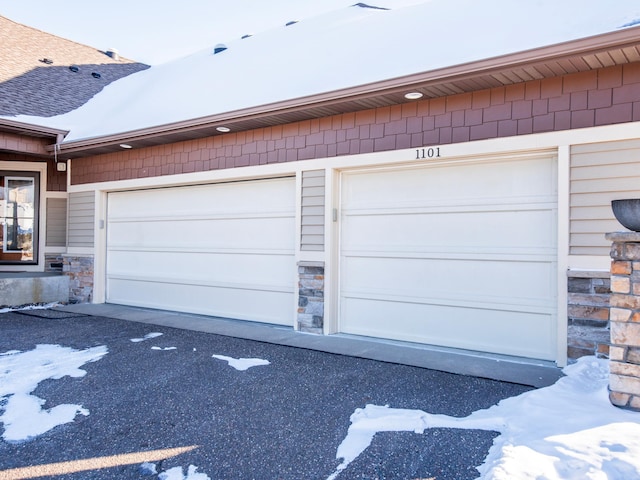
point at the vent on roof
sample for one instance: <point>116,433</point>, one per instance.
<point>221,47</point>
<point>74,68</point>
<point>46,61</point>
<point>96,75</point>
<point>292,22</point>
<point>113,53</point>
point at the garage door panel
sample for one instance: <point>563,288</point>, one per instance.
<point>240,303</point>
<point>458,255</point>
<point>471,230</point>
<point>209,233</point>
<point>226,243</point>
<point>223,199</point>
<point>472,280</point>
<point>204,267</point>
<point>498,331</point>
<point>454,184</point>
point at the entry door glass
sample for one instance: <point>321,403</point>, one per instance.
<point>19,210</point>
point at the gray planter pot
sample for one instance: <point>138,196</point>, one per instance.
<point>627,212</point>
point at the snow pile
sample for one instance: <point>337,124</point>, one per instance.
<point>21,372</point>
<point>242,364</point>
<point>364,45</point>
<point>569,430</point>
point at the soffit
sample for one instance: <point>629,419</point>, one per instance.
<point>616,48</point>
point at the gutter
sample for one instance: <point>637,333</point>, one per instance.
<point>624,38</point>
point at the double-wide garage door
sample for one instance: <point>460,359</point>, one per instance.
<point>222,249</point>
<point>460,255</point>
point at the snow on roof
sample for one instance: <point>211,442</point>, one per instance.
<point>347,47</point>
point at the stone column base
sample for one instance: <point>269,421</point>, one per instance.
<point>624,353</point>
<point>311,297</point>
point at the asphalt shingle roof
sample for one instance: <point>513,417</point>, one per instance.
<point>35,78</point>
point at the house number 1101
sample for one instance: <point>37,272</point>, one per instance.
<point>427,153</point>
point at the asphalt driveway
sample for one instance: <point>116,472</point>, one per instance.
<point>284,420</point>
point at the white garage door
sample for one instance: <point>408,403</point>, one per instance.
<point>458,255</point>
<point>223,249</point>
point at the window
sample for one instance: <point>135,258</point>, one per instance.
<point>19,204</point>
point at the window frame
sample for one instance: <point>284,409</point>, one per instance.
<point>37,171</point>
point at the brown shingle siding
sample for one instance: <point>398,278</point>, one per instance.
<point>572,101</point>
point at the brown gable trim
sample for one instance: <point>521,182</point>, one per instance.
<point>19,137</point>
<point>615,48</point>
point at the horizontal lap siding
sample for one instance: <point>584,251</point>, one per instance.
<point>81,219</point>
<point>312,219</point>
<point>56,222</point>
<point>600,173</point>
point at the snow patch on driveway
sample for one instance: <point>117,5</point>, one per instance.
<point>242,363</point>
<point>146,337</point>
<point>21,372</point>
<point>565,431</point>
<point>176,473</point>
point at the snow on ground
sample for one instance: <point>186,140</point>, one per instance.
<point>164,348</point>
<point>242,363</point>
<point>176,473</point>
<point>566,431</point>
<point>569,430</point>
<point>39,306</point>
<point>20,373</point>
<point>146,337</point>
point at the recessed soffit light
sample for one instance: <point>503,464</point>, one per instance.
<point>223,129</point>
<point>413,95</point>
<point>125,145</point>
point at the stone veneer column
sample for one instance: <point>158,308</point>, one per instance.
<point>79,269</point>
<point>624,353</point>
<point>310,297</point>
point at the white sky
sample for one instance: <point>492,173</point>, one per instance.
<point>162,30</point>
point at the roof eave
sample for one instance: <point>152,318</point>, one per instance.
<point>32,130</point>
<point>344,100</point>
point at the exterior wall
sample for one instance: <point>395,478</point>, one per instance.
<point>600,173</point>
<point>598,97</point>
<point>79,269</point>
<point>624,379</point>
<point>21,143</point>
<point>311,297</point>
<point>53,262</point>
<point>81,219</point>
<point>56,181</point>
<point>604,97</point>
<point>312,215</point>
<point>588,311</point>
<point>56,229</point>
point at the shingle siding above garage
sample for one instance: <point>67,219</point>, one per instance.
<point>34,71</point>
<point>536,106</point>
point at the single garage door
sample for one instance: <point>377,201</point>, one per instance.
<point>221,249</point>
<point>459,255</point>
